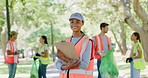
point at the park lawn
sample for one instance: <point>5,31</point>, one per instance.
<point>22,68</point>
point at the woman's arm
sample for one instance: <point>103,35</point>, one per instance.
<point>71,64</point>
<point>46,54</point>
<point>86,57</point>
<point>139,54</point>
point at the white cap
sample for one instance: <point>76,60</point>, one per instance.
<point>77,16</point>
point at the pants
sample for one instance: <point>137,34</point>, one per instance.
<point>42,70</point>
<point>98,67</point>
<point>12,70</point>
<point>134,72</point>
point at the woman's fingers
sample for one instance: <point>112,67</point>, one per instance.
<point>60,54</point>
<point>74,63</point>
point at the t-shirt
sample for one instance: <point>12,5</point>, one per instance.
<point>105,43</point>
<point>42,49</point>
<point>8,46</point>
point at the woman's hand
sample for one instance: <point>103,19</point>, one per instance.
<point>60,55</point>
<point>73,64</point>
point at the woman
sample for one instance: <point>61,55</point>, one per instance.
<point>137,56</point>
<point>78,68</point>
<point>43,56</point>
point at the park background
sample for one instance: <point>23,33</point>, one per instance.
<point>33,18</point>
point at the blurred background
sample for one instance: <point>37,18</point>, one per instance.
<point>33,18</point>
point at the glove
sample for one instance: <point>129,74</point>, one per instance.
<point>34,58</point>
<point>37,54</point>
<point>129,60</point>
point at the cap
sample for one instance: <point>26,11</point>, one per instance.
<point>77,16</point>
<point>13,33</point>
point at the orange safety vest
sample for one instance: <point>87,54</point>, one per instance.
<point>77,72</point>
<point>10,58</point>
<point>99,45</point>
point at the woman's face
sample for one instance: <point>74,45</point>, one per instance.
<point>41,40</point>
<point>76,25</point>
<point>133,37</point>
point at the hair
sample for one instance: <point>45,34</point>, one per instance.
<point>10,35</point>
<point>82,32</point>
<point>137,35</point>
<point>45,39</point>
<point>103,25</point>
<point>82,21</point>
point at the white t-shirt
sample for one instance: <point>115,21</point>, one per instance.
<point>41,50</point>
<point>8,46</point>
<point>15,49</point>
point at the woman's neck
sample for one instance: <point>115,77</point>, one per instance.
<point>42,44</point>
<point>135,41</point>
<point>77,34</point>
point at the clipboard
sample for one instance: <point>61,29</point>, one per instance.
<point>68,49</point>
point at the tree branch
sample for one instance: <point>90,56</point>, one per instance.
<point>140,11</point>
<point>116,39</point>
<point>131,22</point>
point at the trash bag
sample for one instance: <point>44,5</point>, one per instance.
<point>108,68</point>
<point>34,70</point>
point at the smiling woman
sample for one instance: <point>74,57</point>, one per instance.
<point>83,67</point>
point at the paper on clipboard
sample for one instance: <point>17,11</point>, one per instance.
<point>68,49</point>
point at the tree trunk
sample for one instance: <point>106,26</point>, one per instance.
<point>119,45</point>
<point>4,40</point>
<point>145,45</point>
<point>122,42</point>
<point>123,37</point>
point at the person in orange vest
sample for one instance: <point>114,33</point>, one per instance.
<point>102,45</point>
<point>12,54</point>
<point>78,68</point>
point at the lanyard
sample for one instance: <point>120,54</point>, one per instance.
<point>78,40</point>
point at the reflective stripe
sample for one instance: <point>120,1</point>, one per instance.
<point>79,71</point>
<point>139,60</point>
<point>84,46</point>
<point>10,55</point>
<point>44,61</point>
<point>99,45</point>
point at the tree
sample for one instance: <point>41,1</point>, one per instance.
<point>106,11</point>
<point>29,16</point>
<point>131,21</point>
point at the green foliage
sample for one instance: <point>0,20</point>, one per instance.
<point>22,51</point>
<point>35,17</point>
<point>44,30</point>
<point>2,16</point>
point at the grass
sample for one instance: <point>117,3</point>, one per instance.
<point>22,68</point>
<point>124,68</point>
